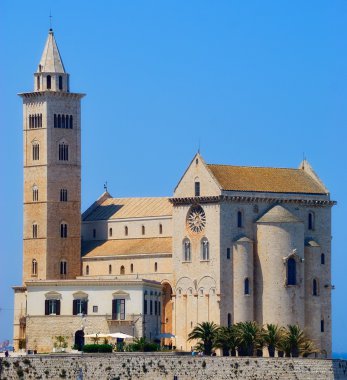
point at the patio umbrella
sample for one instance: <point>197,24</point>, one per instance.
<point>120,335</point>
<point>165,335</point>
<point>96,335</point>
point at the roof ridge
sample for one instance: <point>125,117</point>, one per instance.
<point>254,167</point>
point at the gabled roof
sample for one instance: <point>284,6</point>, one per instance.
<point>120,208</point>
<point>115,247</point>
<point>278,214</point>
<point>51,61</point>
<point>263,179</point>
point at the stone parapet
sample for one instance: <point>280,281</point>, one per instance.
<point>159,366</point>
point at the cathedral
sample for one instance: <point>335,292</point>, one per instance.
<point>230,244</point>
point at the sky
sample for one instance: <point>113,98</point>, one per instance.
<point>260,83</point>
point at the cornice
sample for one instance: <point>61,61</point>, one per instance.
<point>92,281</point>
<point>248,199</point>
<point>46,94</point>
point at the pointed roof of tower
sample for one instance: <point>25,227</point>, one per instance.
<point>51,61</point>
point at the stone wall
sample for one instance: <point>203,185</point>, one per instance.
<point>166,366</point>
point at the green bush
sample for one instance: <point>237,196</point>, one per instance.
<point>97,348</point>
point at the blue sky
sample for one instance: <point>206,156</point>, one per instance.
<point>255,82</point>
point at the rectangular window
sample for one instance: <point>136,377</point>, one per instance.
<point>118,309</point>
<point>145,306</point>
<point>228,253</point>
<point>63,152</point>
<point>79,306</point>
<point>94,233</point>
<point>151,307</point>
<point>155,307</point>
<point>197,189</point>
<point>63,195</point>
<point>52,307</point>
<point>159,308</point>
<point>322,325</point>
<point>95,309</point>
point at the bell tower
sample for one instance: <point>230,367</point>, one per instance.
<point>52,172</point>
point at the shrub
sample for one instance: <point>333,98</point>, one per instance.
<point>6,364</point>
<point>97,348</point>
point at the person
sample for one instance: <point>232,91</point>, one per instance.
<point>6,354</point>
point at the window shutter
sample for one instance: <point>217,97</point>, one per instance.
<point>46,307</point>
<point>122,309</point>
<point>57,307</point>
<point>74,307</point>
<point>114,308</point>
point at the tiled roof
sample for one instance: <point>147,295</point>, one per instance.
<point>119,208</point>
<point>274,180</point>
<point>97,248</point>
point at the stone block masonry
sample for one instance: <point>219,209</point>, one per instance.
<point>165,366</point>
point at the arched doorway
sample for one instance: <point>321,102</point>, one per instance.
<point>166,322</point>
<point>79,339</point>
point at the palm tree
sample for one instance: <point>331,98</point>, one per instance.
<point>226,340</point>
<point>206,332</point>
<point>273,336</point>
<point>248,336</point>
<point>297,342</point>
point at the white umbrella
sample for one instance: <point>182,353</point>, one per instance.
<point>120,335</point>
<point>96,335</point>
<point>165,335</point>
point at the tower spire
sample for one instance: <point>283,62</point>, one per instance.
<point>51,74</point>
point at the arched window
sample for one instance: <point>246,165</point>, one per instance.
<point>60,82</point>
<point>246,286</point>
<point>322,258</point>
<point>35,229</point>
<point>131,268</point>
<point>36,151</point>
<point>122,270</point>
<point>239,219</point>
<point>59,121</point>
<point>205,250</point>
<point>87,270</point>
<point>126,230</point>
<point>38,82</point>
<point>40,120</point>
<point>186,250</point>
<point>291,271</point>
<point>35,194</point>
<point>315,287</point>
<point>160,228</point>
<point>63,230</point>
<point>143,230</point>
<point>110,232</point>
<point>155,267</point>
<point>71,122</point>
<point>34,267</point>
<point>63,152</point>
<point>63,267</point>
<point>49,79</point>
<point>197,188</point>
<point>110,269</point>
<point>63,121</point>
<point>55,121</point>
<point>229,319</point>
<point>310,221</point>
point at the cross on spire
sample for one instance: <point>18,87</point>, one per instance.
<point>50,20</point>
